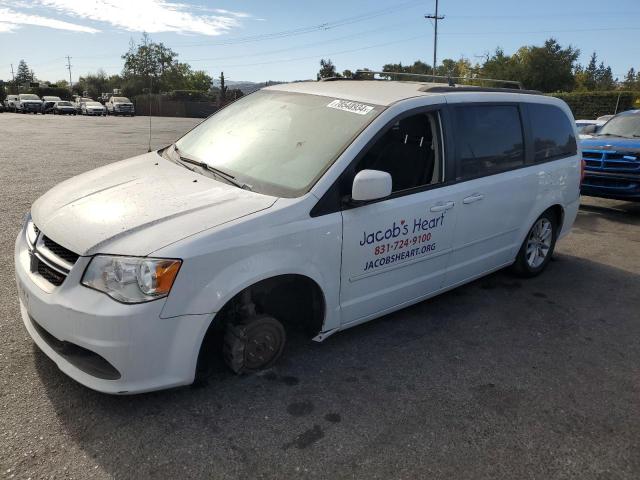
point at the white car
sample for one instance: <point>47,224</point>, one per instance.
<point>316,204</point>
<point>93,108</point>
<point>120,106</point>
<point>587,128</point>
<point>29,103</point>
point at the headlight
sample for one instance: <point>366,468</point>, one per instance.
<point>131,279</point>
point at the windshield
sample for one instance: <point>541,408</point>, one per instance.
<point>28,97</point>
<point>93,104</point>
<point>121,99</point>
<point>622,126</point>
<point>51,99</point>
<point>64,104</point>
<point>279,143</point>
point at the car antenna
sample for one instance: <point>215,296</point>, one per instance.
<point>149,103</point>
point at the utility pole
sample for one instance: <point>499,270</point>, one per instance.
<point>14,79</point>
<point>435,19</point>
<point>69,68</point>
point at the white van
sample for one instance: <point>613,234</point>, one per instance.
<point>317,204</point>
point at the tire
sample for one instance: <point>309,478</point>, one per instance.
<point>537,249</point>
<point>253,344</point>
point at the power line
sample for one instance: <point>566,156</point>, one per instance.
<point>307,57</point>
<point>309,29</point>
<point>393,27</point>
<point>520,32</point>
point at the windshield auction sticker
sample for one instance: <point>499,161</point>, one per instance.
<point>353,107</point>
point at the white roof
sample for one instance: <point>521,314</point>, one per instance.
<point>385,93</point>
<point>377,92</point>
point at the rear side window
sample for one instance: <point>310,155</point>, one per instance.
<point>552,132</point>
<point>489,139</point>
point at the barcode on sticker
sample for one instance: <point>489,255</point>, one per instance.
<point>353,107</point>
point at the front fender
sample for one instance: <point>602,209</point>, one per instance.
<point>208,280</point>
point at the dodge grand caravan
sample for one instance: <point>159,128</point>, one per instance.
<point>317,204</point>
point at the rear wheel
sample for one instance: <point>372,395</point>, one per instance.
<point>537,248</point>
<point>253,344</point>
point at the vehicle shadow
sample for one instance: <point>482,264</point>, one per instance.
<point>534,352</point>
<point>627,213</point>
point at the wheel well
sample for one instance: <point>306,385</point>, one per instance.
<point>295,300</point>
<point>558,212</point>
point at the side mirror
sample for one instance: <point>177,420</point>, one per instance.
<point>371,185</point>
<point>589,129</point>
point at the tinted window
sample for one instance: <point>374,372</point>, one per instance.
<point>489,139</point>
<point>552,132</point>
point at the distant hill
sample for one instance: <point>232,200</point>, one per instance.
<point>246,87</point>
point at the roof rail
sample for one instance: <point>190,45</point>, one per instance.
<point>371,75</point>
<point>472,88</point>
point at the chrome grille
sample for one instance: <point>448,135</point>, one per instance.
<point>50,260</point>
<point>611,161</point>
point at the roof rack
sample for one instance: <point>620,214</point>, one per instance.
<point>471,88</point>
<point>450,81</point>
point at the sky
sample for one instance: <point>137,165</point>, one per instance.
<point>259,40</point>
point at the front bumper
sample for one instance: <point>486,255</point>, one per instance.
<point>31,107</point>
<point>611,185</point>
<point>95,112</point>
<point>70,321</point>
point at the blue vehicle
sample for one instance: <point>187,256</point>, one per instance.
<point>612,159</point>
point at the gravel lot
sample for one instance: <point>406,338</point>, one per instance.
<point>502,378</point>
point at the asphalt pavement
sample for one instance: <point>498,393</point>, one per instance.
<point>503,378</point>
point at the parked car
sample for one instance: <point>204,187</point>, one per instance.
<point>29,103</point>
<point>120,106</point>
<point>1,107</point>
<point>11,103</point>
<point>315,204</point>
<point>612,159</point>
<point>79,101</point>
<point>64,107</point>
<point>48,103</point>
<point>591,126</point>
<point>93,108</point>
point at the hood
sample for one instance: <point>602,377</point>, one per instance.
<point>137,206</point>
<point>619,144</point>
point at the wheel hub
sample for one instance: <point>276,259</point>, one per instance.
<point>539,243</point>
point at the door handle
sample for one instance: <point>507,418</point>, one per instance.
<point>441,207</point>
<point>476,197</point>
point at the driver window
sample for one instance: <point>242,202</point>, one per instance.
<point>409,151</point>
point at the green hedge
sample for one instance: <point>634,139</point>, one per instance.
<point>594,104</point>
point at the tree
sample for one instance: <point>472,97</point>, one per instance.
<point>631,80</point>
<point>62,84</point>
<point>327,69</point>
<point>199,80</point>
<point>604,78</point>
<point>347,74</point>
<point>501,66</point>
<point>222,96</point>
<point>24,74</point>
<point>548,68</point>
<point>153,65</point>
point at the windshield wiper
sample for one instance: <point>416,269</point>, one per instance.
<point>611,135</point>
<point>205,166</point>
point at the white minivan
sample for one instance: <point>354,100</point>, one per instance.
<point>318,205</point>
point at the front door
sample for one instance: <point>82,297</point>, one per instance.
<point>395,251</point>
